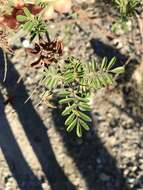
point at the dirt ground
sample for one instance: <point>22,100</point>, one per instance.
<point>36,153</point>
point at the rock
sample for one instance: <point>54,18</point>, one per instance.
<point>131,180</point>
<point>111,141</point>
<point>134,168</point>
<point>117,42</point>
<point>141,166</point>
<point>126,172</point>
<point>141,161</point>
<point>129,153</point>
<point>45,186</point>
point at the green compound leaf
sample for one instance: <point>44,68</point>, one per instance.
<point>84,106</point>
<point>108,78</point>
<point>28,26</point>
<point>72,125</point>
<point>84,116</point>
<point>51,77</point>
<point>64,93</point>
<point>118,70</point>
<point>26,12</point>
<point>104,63</point>
<point>70,119</point>
<point>21,18</point>
<point>79,130</point>
<point>82,99</point>
<point>73,82</point>
<point>68,110</point>
<point>84,125</point>
<point>111,63</point>
<point>66,100</point>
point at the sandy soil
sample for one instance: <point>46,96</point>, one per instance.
<point>35,151</point>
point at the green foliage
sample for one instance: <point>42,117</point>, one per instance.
<point>120,24</point>
<point>34,25</point>
<point>51,77</point>
<point>76,113</point>
<point>41,3</point>
<point>96,77</point>
<point>126,7</point>
<point>73,82</point>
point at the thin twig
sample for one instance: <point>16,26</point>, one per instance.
<point>5,66</point>
<point>32,93</point>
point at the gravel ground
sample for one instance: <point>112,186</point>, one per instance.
<point>35,151</point>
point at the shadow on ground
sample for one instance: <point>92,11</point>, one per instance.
<point>96,165</point>
<point>36,133</point>
<point>20,169</point>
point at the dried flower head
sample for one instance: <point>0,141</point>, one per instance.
<point>46,51</point>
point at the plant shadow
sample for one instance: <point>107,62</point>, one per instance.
<point>17,164</point>
<point>96,165</point>
<point>132,93</point>
<point>36,132</point>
